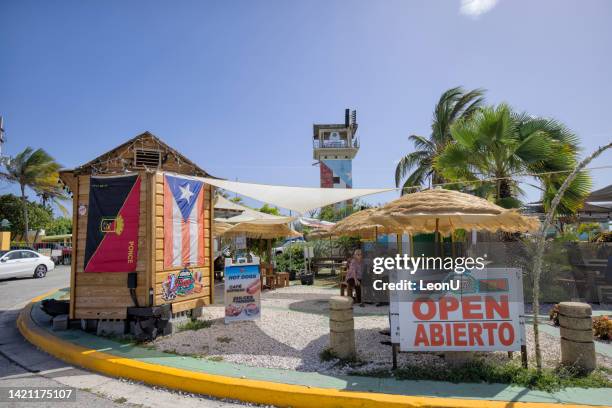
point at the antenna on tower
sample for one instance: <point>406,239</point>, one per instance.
<point>3,159</point>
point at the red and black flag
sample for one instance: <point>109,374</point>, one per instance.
<point>112,224</point>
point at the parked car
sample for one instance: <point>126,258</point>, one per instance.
<point>24,262</point>
<point>286,243</point>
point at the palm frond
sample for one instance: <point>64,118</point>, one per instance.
<point>406,163</point>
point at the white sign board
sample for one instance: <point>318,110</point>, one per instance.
<point>483,312</point>
<point>241,242</point>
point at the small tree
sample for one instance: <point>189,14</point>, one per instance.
<point>539,253</point>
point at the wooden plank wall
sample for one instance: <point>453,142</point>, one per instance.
<point>203,298</point>
<point>104,295</point>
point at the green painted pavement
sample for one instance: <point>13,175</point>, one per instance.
<point>499,392</point>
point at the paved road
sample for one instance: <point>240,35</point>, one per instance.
<point>22,365</point>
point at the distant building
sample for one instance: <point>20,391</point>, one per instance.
<point>334,147</point>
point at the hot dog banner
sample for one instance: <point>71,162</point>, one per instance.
<point>242,291</point>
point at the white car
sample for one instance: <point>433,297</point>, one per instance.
<point>24,262</point>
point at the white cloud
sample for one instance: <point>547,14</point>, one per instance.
<point>474,8</point>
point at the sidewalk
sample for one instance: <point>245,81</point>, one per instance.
<point>387,391</point>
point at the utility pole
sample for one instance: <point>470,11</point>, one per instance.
<point>3,159</point>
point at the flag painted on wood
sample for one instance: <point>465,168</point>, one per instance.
<point>183,222</point>
<point>112,224</point>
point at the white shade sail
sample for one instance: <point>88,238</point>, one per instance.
<point>298,199</point>
<point>248,214</point>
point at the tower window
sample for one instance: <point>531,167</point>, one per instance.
<point>336,180</point>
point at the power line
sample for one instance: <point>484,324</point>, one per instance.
<point>490,179</point>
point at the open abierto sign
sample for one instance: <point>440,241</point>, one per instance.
<point>484,313</point>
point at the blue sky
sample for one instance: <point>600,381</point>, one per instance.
<point>237,85</point>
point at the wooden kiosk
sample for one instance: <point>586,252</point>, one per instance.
<point>149,283</point>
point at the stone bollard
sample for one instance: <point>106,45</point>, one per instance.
<point>342,327</point>
<point>577,346</point>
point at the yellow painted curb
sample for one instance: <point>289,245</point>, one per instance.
<point>255,391</point>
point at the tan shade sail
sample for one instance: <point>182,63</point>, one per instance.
<point>446,211</point>
<point>262,231</point>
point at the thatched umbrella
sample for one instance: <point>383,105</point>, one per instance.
<point>261,231</point>
<point>444,211</point>
<point>219,227</point>
<point>358,224</point>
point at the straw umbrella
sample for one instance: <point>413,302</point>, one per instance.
<point>261,231</point>
<point>445,211</point>
<point>358,224</point>
<point>219,227</point>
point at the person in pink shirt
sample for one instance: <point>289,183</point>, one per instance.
<point>353,276</point>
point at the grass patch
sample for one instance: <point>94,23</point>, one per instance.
<point>327,354</point>
<point>120,400</point>
<point>195,324</point>
<point>510,373</point>
<point>215,358</point>
<point>224,339</point>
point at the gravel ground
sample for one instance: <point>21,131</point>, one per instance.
<point>294,329</point>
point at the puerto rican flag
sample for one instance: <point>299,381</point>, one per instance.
<point>183,222</point>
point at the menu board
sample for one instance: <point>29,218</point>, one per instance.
<point>242,291</point>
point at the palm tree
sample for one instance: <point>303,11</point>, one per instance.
<point>454,104</point>
<point>31,169</point>
<point>51,192</point>
<point>498,144</point>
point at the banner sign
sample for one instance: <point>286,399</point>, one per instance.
<point>242,291</point>
<point>112,224</point>
<point>183,222</point>
<point>479,310</point>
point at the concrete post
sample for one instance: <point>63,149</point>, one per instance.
<point>577,346</point>
<point>342,327</point>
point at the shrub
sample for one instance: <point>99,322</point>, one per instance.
<point>292,259</point>
<point>554,314</point>
<point>195,324</point>
<point>602,328</point>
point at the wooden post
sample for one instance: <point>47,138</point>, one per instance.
<point>211,244</point>
<point>395,349</point>
<point>395,346</point>
<point>75,240</point>
<point>524,356</point>
<point>150,268</point>
<point>270,251</point>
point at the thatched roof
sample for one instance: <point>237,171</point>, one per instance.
<point>220,227</point>
<point>357,224</point>
<point>446,211</point>
<point>264,231</point>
